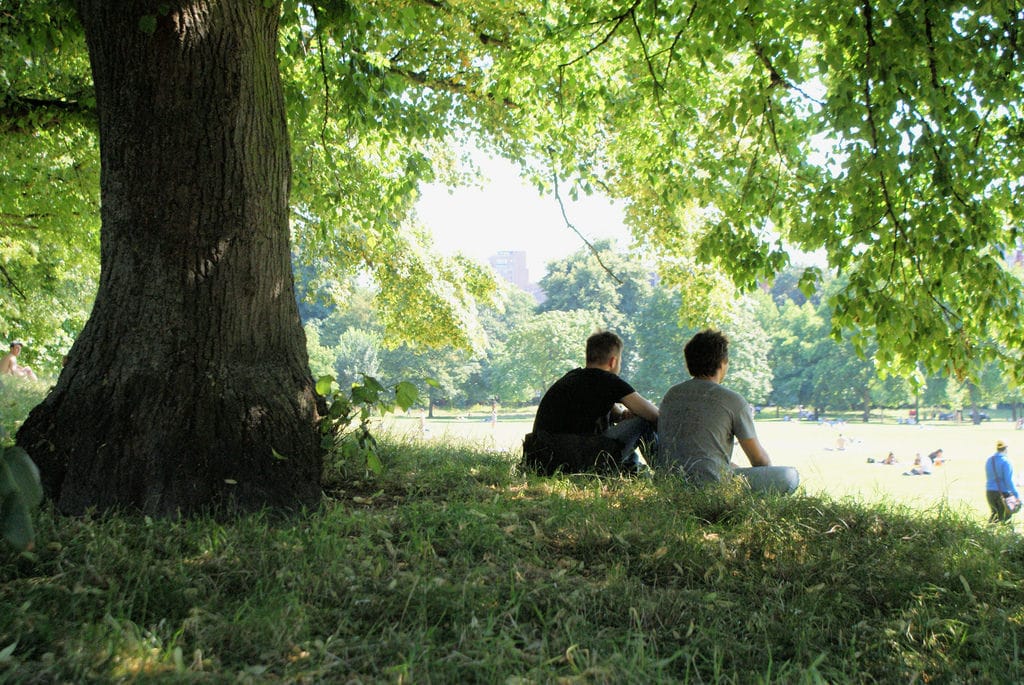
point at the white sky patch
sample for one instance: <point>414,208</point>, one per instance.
<point>509,214</point>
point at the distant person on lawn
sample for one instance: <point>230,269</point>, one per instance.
<point>9,364</point>
<point>700,419</point>
<point>999,485</point>
<point>922,466</point>
<point>594,400</point>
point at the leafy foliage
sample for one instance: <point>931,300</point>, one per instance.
<point>540,351</point>
<point>346,426</point>
<point>49,195</point>
<point>883,135</point>
<point>20,493</point>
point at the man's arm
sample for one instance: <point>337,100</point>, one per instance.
<point>1007,478</point>
<point>755,452</point>
<point>7,364</point>
<point>640,406</point>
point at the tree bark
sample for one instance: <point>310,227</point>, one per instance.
<point>189,388</point>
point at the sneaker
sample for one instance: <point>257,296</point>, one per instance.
<point>636,465</point>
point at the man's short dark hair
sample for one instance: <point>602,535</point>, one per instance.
<point>705,353</point>
<point>603,345</point>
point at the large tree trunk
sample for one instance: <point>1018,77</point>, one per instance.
<point>189,388</point>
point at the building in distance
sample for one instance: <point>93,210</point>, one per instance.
<point>511,265</point>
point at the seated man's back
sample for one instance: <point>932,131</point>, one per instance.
<point>579,402</point>
<point>699,420</point>
<point>585,402</point>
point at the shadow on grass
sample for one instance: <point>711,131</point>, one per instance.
<point>453,566</point>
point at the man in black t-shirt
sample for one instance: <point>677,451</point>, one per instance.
<point>595,401</point>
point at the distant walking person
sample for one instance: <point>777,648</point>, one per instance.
<point>1000,491</point>
<point>700,419</point>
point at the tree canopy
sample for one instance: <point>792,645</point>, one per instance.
<point>885,136</point>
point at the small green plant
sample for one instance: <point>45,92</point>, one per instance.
<point>20,493</point>
<point>346,427</point>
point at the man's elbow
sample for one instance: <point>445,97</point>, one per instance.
<point>755,452</point>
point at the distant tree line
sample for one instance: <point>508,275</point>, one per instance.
<point>783,351</point>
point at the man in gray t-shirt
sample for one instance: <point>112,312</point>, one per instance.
<point>699,419</point>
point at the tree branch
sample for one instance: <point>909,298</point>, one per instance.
<point>10,282</point>
<point>590,246</point>
<point>658,87</point>
<point>619,20</point>
<point>18,108</point>
<point>869,106</point>
<point>676,38</point>
<point>323,76</point>
<point>777,79</point>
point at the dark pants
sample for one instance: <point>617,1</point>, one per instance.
<point>631,433</point>
<point>1000,514</point>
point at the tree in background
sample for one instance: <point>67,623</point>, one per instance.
<point>49,192</point>
<point>843,379</point>
<point>613,284</point>
<point>440,375</point>
<point>510,309</point>
<point>358,353</point>
<point>799,342</point>
<point>660,337</point>
<point>541,350</point>
<point>750,373</point>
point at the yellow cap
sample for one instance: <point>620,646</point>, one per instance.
<point>1000,445</point>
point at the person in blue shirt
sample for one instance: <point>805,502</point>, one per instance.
<point>998,484</point>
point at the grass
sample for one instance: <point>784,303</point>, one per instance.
<point>454,567</point>
<point>17,397</point>
<point>811,448</point>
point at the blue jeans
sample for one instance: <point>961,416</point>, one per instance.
<point>778,479</point>
<point>632,431</point>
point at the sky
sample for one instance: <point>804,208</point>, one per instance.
<point>509,214</point>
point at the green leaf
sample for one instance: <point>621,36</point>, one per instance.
<point>277,455</point>
<point>340,407</point>
<point>373,463</point>
<point>373,384</point>
<point>25,475</point>
<point>147,24</point>
<point>406,394</point>
<point>16,523</point>
<point>362,394</point>
<point>7,652</point>
<point>324,384</point>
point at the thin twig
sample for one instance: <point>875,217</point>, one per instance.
<point>323,75</point>
<point>619,20</point>
<point>590,246</point>
<point>658,87</point>
<point>10,282</point>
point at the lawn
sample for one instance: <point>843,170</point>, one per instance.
<point>812,448</point>
<point>452,566</point>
